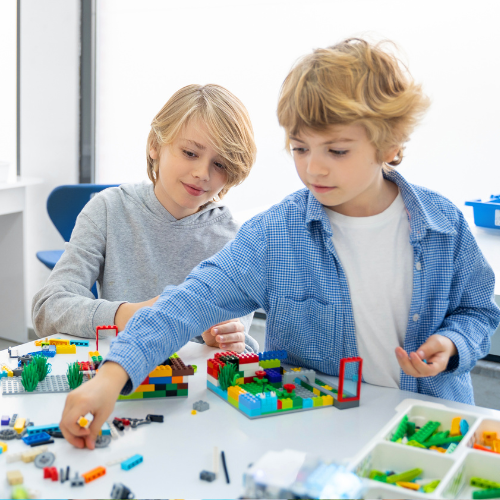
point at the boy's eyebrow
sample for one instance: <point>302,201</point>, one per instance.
<point>340,139</point>
<point>197,144</point>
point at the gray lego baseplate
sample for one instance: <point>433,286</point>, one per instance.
<point>51,384</point>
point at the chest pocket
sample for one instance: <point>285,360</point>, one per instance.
<point>304,328</point>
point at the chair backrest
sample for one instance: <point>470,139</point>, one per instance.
<point>66,202</point>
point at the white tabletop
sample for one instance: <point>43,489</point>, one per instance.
<point>177,450</point>
<point>20,182</point>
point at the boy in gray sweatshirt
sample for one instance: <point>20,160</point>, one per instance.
<point>136,239</point>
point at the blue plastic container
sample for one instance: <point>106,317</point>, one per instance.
<point>486,213</point>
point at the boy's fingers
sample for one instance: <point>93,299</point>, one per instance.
<point>229,327</point>
<point>237,347</point>
<point>423,369</point>
<point>230,338</point>
<point>405,363</point>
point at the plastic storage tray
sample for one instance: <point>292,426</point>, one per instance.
<point>486,213</point>
<point>454,470</point>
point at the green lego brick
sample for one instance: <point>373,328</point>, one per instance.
<point>401,430</point>
<point>134,395</point>
<point>416,444</point>
<point>484,483</point>
<point>382,479</point>
<point>317,401</point>
<point>406,476</point>
<point>430,487</point>
<point>438,442</point>
<point>426,431</point>
<point>492,493</point>
<point>171,387</point>
<point>277,385</point>
<point>233,402</point>
<point>436,437</point>
<point>375,472</point>
<point>182,392</point>
<point>306,385</point>
<point>252,388</point>
<point>154,394</point>
<point>298,402</point>
<point>410,430</point>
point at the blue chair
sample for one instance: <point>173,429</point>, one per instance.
<point>63,206</point>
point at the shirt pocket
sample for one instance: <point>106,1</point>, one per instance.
<point>304,328</point>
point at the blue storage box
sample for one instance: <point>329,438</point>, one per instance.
<point>486,213</point>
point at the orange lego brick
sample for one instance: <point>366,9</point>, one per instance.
<point>145,388</point>
<point>94,474</point>
<point>59,342</point>
<point>177,380</point>
<point>410,486</point>
<point>489,437</point>
<point>161,371</point>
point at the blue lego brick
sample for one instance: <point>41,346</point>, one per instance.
<point>42,428</point>
<point>84,343</point>
<point>251,412</point>
<point>36,438</point>
<point>132,462</point>
<point>160,380</point>
<point>264,356</point>
<point>307,403</point>
<point>249,401</point>
<point>106,431</point>
<point>47,354</point>
<point>273,375</point>
<point>268,403</point>
<point>3,374</point>
<point>5,420</point>
<point>217,390</point>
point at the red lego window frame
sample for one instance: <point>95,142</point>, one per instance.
<point>342,375</point>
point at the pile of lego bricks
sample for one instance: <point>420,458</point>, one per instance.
<point>248,395</point>
<point>167,380</point>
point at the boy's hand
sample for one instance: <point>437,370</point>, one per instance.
<point>228,335</point>
<point>97,396</point>
<point>126,310</point>
<point>437,351</point>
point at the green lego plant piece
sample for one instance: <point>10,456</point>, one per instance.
<point>493,493</point>
<point>410,430</point>
<point>437,436</point>
<point>440,441</point>
<point>406,476</point>
<point>29,377</point>
<point>479,482</point>
<point>74,375</point>
<point>401,430</point>
<point>399,441</point>
<point>43,368</point>
<point>430,487</point>
<point>226,376</point>
<point>426,431</point>
<point>416,444</point>
<point>375,472</point>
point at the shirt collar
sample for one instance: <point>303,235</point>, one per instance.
<point>423,215</point>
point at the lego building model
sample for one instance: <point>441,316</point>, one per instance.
<point>166,381</point>
<point>258,386</point>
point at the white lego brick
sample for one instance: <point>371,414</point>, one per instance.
<point>213,380</point>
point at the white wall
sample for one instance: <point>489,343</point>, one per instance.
<point>8,83</point>
<point>149,49</point>
<point>50,51</point>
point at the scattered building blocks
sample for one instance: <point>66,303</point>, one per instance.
<point>36,438</point>
<point>66,349</point>
<point>156,418</point>
<point>30,455</point>
<point>120,491</point>
<point>50,473</point>
<point>132,462</point>
<point>43,428</point>
<point>13,420</point>
<point>206,475</point>
<point>93,474</point>
<point>45,459</point>
<point>14,477</point>
<point>77,480</point>
<point>79,343</point>
<point>57,342</point>
<point>3,447</point>
<point>19,425</point>
<point>201,406</point>
<point>5,420</point>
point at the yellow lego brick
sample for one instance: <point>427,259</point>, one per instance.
<point>145,388</point>
<point>327,400</point>
<point>162,371</point>
<point>408,485</point>
<point>455,427</point>
<point>295,369</point>
<point>327,387</point>
<point>437,448</point>
<point>19,425</point>
<point>495,445</point>
<point>8,370</point>
<point>14,477</point>
<point>240,381</point>
<point>3,446</point>
<point>316,391</point>
<point>65,349</point>
<point>489,437</point>
<point>59,342</point>
<point>233,392</point>
<point>286,404</point>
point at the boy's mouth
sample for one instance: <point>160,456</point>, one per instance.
<point>322,189</point>
<point>194,190</point>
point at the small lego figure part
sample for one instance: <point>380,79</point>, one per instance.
<point>50,473</point>
<point>13,353</point>
<point>201,406</point>
<point>206,475</point>
<point>102,441</point>
<point>83,422</point>
<point>14,477</point>
<point>154,418</point>
<point>193,412</point>
<point>77,480</point>
<point>120,491</point>
<point>45,460</point>
<point>118,424</point>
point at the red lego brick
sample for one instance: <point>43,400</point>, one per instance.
<point>248,380</point>
<point>280,404</point>
<point>145,381</point>
<point>50,473</point>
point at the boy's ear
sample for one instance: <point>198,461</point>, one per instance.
<point>391,154</point>
<point>153,153</point>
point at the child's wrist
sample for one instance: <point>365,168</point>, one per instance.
<point>116,376</point>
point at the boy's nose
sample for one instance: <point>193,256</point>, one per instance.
<point>316,167</point>
<point>202,171</point>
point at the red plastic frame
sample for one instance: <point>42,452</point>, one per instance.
<point>343,361</point>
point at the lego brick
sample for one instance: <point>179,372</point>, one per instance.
<point>105,430</point>
<point>57,342</point>
<point>132,462</point>
<point>133,395</point>
<point>145,388</point>
<point>3,447</point>
<point>107,331</point>
<point>51,384</point>
<point>213,381</point>
<point>19,425</point>
<point>93,474</point>
<point>182,392</point>
<point>159,380</point>
<point>160,387</point>
<point>251,412</point>
<point>232,401</point>
<point>161,371</point>
<point>42,428</point>
<point>14,477</point>
<point>170,394</point>
<point>327,400</point>
<point>66,349</point>
<point>154,394</point>
<point>177,380</point>
<point>82,343</point>
<point>30,455</point>
<point>183,386</point>
<point>179,369</point>
<point>307,403</point>
<point>39,437</point>
<point>217,390</point>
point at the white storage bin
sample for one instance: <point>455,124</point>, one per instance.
<point>475,464</point>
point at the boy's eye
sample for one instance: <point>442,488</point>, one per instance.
<point>189,153</point>
<point>336,152</point>
<point>219,165</point>
<point>298,150</point>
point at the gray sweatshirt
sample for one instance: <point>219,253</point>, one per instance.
<point>133,247</point>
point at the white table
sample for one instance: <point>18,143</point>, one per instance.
<point>12,275</point>
<point>176,451</point>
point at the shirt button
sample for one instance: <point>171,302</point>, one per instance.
<point>416,317</point>
<point>418,266</point>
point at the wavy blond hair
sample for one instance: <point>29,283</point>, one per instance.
<point>353,82</point>
<point>228,123</point>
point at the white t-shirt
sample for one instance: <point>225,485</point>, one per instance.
<point>377,258</point>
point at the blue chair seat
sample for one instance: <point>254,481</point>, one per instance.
<point>49,257</point>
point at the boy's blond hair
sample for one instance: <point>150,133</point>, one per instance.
<point>353,82</point>
<point>228,123</point>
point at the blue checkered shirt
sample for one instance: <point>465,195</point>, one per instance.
<point>283,260</point>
